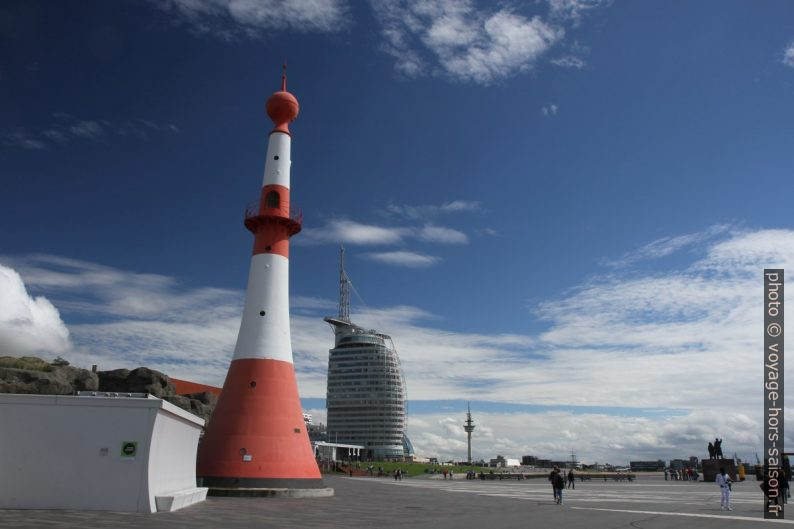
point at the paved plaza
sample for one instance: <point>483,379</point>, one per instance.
<point>648,503</point>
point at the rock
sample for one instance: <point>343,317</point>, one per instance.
<point>63,380</point>
<point>33,382</point>
<point>140,380</point>
<point>41,378</point>
<point>80,379</point>
<point>205,397</point>
<point>179,400</point>
<point>201,404</point>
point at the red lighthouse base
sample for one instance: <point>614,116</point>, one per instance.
<point>256,443</point>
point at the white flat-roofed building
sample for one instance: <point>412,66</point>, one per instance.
<point>113,452</point>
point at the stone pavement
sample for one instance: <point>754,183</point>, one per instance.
<point>648,503</point>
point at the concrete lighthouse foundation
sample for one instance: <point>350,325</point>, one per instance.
<point>256,443</point>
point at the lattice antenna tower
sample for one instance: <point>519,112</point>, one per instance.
<point>344,288</point>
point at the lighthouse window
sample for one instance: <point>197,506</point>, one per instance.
<point>272,200</point>
<point>275,157</point>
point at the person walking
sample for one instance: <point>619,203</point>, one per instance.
<point>571,480</point>
<point>723,480</point>
<point>551,480</point>
<point>559,485</point>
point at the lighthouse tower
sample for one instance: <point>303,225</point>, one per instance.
<point>256,443</point>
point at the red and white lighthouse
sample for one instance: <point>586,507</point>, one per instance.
<point>256,442</point>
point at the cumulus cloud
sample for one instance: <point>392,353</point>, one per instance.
<point>788,55</point>
<point>462,41</point>
<point>549,110</point>
<point>231,19</point>
<point>28,325</point>
<point>594,437</point>
<point>402,258</point>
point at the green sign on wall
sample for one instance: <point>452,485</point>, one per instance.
<point>129,449</point>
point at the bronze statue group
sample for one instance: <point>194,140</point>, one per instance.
<point>715,449</point>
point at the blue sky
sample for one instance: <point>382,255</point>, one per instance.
<point>559,209</point>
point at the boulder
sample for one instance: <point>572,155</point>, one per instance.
<point>140,380</point>
<point>35,376</point>
<point>60,380</point>
<point>201,404</point>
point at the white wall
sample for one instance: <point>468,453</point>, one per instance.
<point>64,452</point>
<point>172,457</point>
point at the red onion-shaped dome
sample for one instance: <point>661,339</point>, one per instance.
<point>282,107</point>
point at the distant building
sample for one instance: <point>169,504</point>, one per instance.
<point>646,466</point>
<point>317,432</point>
<point>678,464</point>
<point>529,461</point>
<point>498,461</point>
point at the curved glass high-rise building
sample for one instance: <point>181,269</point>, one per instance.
<point>366,391</point>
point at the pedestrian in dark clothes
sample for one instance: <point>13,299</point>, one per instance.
<point>552,475</point>
<point>559,485</point>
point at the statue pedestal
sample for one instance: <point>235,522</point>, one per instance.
<point>711,467</point>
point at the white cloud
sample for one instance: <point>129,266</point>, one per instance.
<point>355,233</point>
<point>402,258</point>
<point>28,325</point>
<point>685,338</point>
<point>788,55</point>
<point>569,61</point>
<point>351,232</point>
<point>463,41</point>
<point>230,19</point>
<point>55,135</point>
<point>668,245</point>
<point>22,140</point>
<point>442,235</point>
<point>573,10</point>
<point>109,291</point>
<point>594,437</point>
<point>66,128</point>
<point>549,110</point>
<point>425,211</point>
<point>87,129</point>
<point>460,205</point>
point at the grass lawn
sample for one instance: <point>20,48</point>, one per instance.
<point>417,469</point>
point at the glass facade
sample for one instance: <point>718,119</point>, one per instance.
<point>366,392</point>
